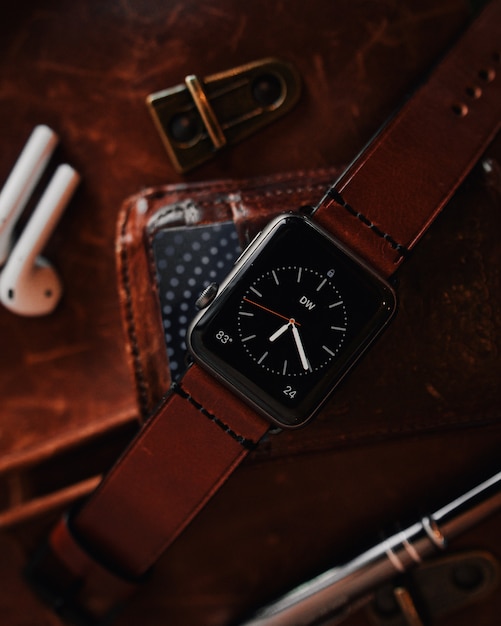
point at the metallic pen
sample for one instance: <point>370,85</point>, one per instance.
<point>322,597</point>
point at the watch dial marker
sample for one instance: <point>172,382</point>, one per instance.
<point>246,313</point>
<point>249,338</point>
<point>258,293</point>
<point>328,350</point>
<point>321,284</point>
<point>299,273</point>
<point>262,358</point>
<point>331,306</point>
<point>343,330</point>
<point>284,369</point>
<point>274,274</point>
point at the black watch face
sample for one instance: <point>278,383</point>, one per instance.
<point>290,320</point>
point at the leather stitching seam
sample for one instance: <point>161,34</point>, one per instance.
<point>130,319</point>
<point>400,248</point>
<point>248,444</point>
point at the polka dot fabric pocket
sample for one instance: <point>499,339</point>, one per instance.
<point>188,259</point>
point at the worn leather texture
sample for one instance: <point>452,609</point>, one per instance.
<point>302,500</point>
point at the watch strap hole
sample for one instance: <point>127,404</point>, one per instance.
<point>487,74</point>
<point>474,92</point>
<point>460,109</point>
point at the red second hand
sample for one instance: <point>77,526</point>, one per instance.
<point>288,319</point>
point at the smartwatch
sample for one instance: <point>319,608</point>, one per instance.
<point>290,320</point>
<point>304,301</point>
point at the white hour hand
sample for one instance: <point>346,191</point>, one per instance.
<point>279,332</point>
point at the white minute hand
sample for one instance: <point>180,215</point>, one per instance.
<point>300,348</point>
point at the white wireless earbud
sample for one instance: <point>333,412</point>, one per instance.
<point>29,285</point>
<point>21,182</point>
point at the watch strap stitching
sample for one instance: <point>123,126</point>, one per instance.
<point>247,444</point>
<point>391,241</point>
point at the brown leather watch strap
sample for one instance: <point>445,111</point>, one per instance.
<point>187,449</point>
<point>194,441</point>
<point>385,201</point>
<point>185,452</point>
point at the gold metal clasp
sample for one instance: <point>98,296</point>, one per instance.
<point>200,117</point>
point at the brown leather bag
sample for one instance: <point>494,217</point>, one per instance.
<point>417,424</point>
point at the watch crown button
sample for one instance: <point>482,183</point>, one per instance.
<point>207,296</point>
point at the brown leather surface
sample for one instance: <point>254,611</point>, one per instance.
<point>296,505</point>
